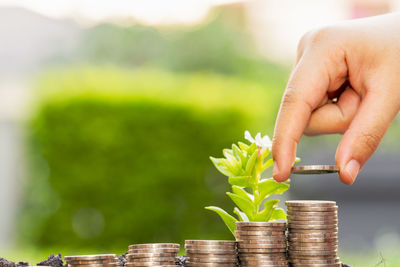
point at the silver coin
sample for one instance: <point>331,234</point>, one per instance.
<point>211,242</point>
<point>90,257</point>
<point>315,169</point>
<point>154,245</point>
<point>310,203</point>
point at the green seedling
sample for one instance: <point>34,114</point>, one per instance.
<point>244,165</point>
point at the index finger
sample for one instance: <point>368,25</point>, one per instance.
<point>306,88</point>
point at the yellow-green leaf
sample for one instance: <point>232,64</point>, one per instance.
<point>266,213</point>
<point>242,181</point>
<point>278,214</point>
<point>242,192</point>
<point>228,219</point>
<point>241,215</point>
<point>243,204</point>
<point>269,187</point>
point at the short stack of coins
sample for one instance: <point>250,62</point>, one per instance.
<point>107,260</point>
<point>155,254</point>
<point>312,233</point>
<point>261,243</point>
<point>210,253</point>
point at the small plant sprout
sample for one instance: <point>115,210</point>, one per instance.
<point>244,165</point>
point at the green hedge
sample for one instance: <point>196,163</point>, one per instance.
<point>119,157</point>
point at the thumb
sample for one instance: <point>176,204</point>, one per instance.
<point>364,134</point>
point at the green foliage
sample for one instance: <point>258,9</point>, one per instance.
<point>219,44</point>
<point>244,165</point>
<point>120,157</point>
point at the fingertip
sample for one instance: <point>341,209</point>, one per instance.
<point>279,175</point>
<point>349,172</point>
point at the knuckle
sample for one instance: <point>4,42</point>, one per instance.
<point>370,140</point>
<point>321,35</point>
<point>290,97</point>
<point>303,43</point>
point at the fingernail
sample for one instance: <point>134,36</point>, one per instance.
<point>352,168</point>
<point>275,171</point>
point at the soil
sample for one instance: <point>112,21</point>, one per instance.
<point>53,260</point>
<point>6,263</point>
<point>57,261</point>
<point>122,259</point>
<point>181,260</point>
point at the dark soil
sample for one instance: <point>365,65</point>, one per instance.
<point>6,263</point>
<point>57,261</point>
<point>181,260</point>
<point>53,260</point>
<point>122,259</point>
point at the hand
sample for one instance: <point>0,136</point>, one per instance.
<point>358,63</point>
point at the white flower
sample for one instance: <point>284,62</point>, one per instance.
<point>262,142</point>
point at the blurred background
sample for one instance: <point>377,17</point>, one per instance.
<point>110,109</point>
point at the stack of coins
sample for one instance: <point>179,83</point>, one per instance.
<point>156,254</point>
<point>110,260</point>
<point>261,243</point>
<point>313,233</point>
<point>210,253</point>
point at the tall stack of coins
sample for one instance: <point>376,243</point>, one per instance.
<point>210,253</point>
<point>107,260</point>
<point>313,233</point>
<point>261,243</point>
<point>156,254</point>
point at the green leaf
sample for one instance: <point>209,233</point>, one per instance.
<point>227,153</point>
<point>251,163</point>
<point>243,146</point>
<point>244,204</point>
<point>252,148</point>
<point>232,164</point>
<point>220,164</point>
<point>242,216</point>
<point>238,154</point>
<point>243,181</point>
<point>228,219</point>
<point>241,192</point>
<point>267,164</point>
<point>278,214</point>
<point>269,187</point>
<point>266,213</point>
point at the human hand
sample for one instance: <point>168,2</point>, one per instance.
<point>356,62</point>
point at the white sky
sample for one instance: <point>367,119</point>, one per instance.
<point>147,11</point>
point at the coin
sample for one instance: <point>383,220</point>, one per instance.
<point>102,260</point>
<point>210,253</point>
<point>309,203</point>
<point>262,243</point>
<point>152,254</point>
<point>154,250</point>
<point>208,264</point>
<point>90,257</point>
<point>312,233</point>
<point>315,169</point>
<point>259,233</point>
<point>254,224</point>
<point>313,226</point>
<point>155,245</point>
<point>307,220</point>
<point>281,240</point>
<point>242,245</point>
<point>311,208</point>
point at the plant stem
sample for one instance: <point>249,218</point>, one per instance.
<point>257,200</point>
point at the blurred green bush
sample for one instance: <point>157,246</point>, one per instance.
<point>119,156</point>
